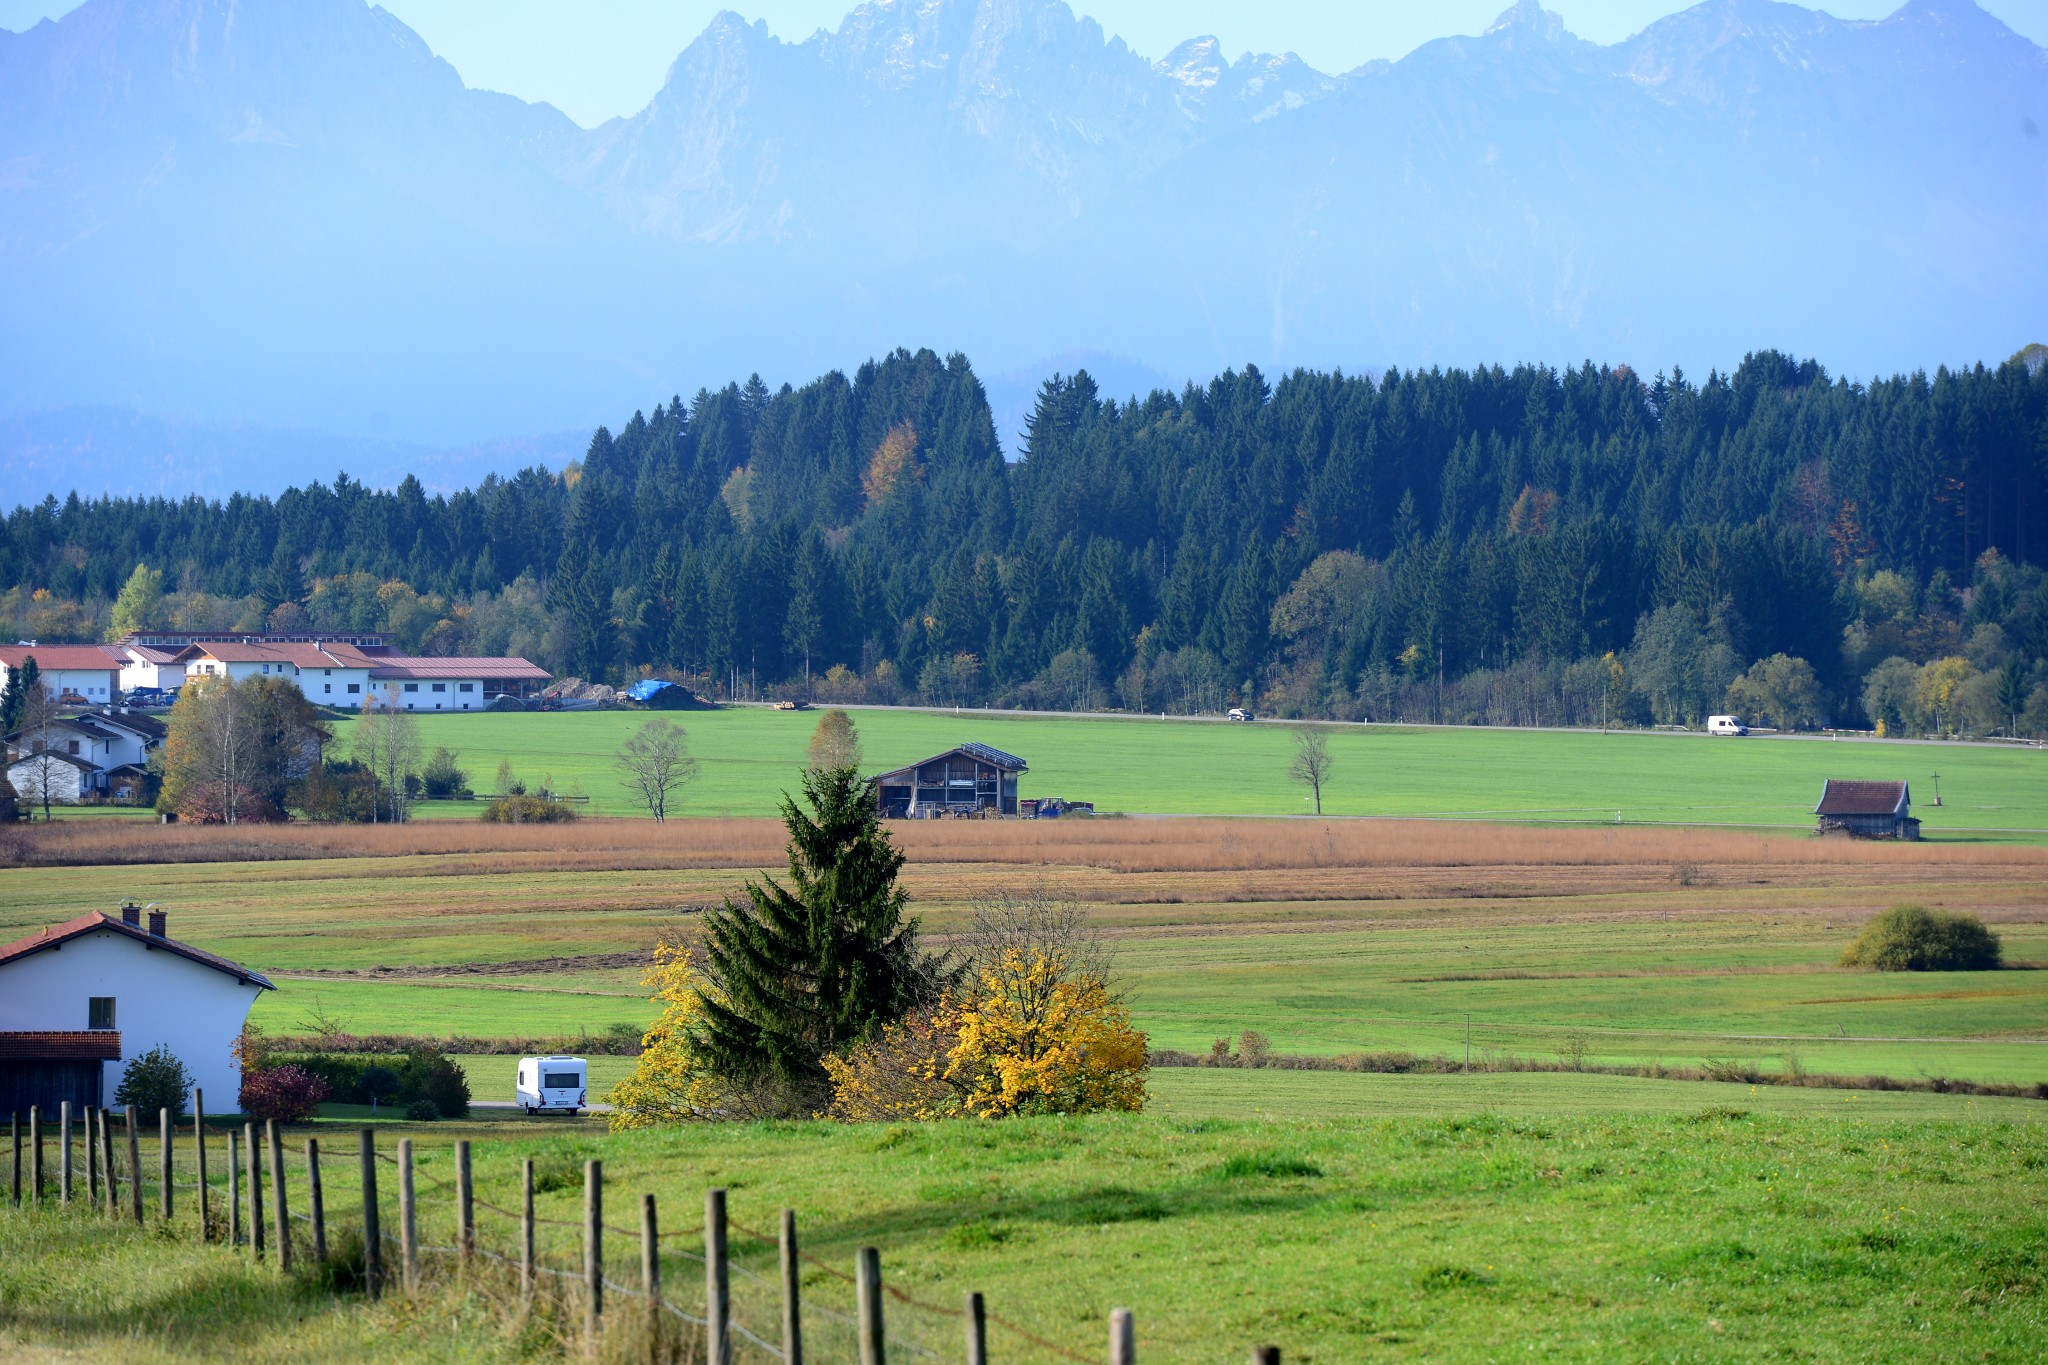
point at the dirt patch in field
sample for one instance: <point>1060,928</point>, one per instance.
<point>533,966</point>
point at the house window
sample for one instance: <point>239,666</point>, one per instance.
<point>326,672</point>
<point>99,1012</point>
<point>440,687</point>
<point>354,689</point>
<point>412,687</point>
<point>73,746</point>
<point>465,687</point>
<point>326,687</point>
<point>266,668</point>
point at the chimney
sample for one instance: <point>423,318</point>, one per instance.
<point>131,913</point>
<point>156,923</point>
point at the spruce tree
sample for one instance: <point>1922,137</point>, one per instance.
<point>799,972</point>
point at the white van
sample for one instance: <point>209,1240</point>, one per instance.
<point>553,1085</point>
<point>1240,714</point>
<point>1725,725</point>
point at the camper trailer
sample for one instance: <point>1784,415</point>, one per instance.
<point>553,1085</point>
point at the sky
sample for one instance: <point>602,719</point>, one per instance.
<point>599,59</point>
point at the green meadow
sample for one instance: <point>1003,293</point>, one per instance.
<point>748,755</point>
<point>1726,1230</point>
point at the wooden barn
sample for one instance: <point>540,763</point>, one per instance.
<point>1867,810</point>
<point>972,779</point>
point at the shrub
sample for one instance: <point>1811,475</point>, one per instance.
<point>155,1080</point>
<point>431,1078</point>
<point>378,1083</point>
<point>441,777</point>
<point>287,1093</point>
<point>422,1111</point>
<point>517,808</point>
<point>1912,939</point>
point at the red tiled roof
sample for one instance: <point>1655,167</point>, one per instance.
<point>489,670</point>
<point>99,1045</point>
<point>153,654</point>
<point>51,657</point>
<point>1862,798</point>
<point>84,765</point>
<point>53,935</point>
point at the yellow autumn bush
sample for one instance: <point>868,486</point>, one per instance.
<point>670,1084</point>
<point>1028,1033</point>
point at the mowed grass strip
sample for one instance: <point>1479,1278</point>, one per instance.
<point>1717,1232</point>
<point>749,755</point>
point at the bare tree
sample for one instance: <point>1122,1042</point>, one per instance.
<point>1312,761</point>
<point>387,742</point>
<point>37,740</point>
<point>656,763</point>
<point>835,743</point>
<point>1036,923</point>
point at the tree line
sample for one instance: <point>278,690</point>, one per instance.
<point>1532,545</point>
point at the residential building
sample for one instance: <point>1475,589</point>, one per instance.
<point>78,675</point>
<point>107,975</point>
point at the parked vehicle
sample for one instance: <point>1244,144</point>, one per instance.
<point>553,1085</point>
<point>1725,725</point>
<point>1239,713</point>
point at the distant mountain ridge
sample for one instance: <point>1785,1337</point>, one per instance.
<point>291,214</point>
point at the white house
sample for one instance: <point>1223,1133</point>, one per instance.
<point>150,666</point>
<point>329,673</point>
<point>415,683</point>
<point>333,673</point>
<point>75,673</point>
<point>102,973</point>
<point>68,779</point>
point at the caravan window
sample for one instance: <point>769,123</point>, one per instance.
<point>560,1080</point>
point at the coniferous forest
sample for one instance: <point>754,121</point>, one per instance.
<point>1526,546</point>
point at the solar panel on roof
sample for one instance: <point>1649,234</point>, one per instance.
<point>987,754</point>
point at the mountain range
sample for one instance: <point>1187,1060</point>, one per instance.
<point>291,217</point>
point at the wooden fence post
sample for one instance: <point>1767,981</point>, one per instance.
<point>373,1246</point>
<point>792,1308</point>
<point>593,1251</point>
<point>92,1157</point>
<point>199,1156</point>
<point>316,1201</point>
<point>134,1161</point>
<point>1123,1337</point>
<point>35,1154</point>
<point>408,1219</point>
<point>650,1275</point>
<point>166,1176</point>
<point>717,1283</point>
<point>278,1202</point>
<point>975,1319</point>
<point>1265,1355</point>
<point>252,1155</point>
<point>64,1151</point>
<point>526,1273</point>
<point>14,1138</point>
<point>234,1190</point>
<point>112,1191</point>
<point>465,1206</point>
<point>867,1290</point>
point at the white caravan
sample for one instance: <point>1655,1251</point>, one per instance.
<point>1725,725</point>
<point>553,1085</point>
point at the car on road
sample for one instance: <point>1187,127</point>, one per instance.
<point>1239,713</point>
<point>1725,725</point>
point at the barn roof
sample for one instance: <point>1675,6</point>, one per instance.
<point>56,935</point>
<point>987,754</point>
<point>83,765</point>
<point>98,1045</point>
<point>1863,798</point>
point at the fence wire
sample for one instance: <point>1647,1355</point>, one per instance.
<point>919,1329</point>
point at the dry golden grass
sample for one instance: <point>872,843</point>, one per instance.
<point>1177,845</point>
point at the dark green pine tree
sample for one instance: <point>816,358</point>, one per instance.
<point>805,970</point>
<point>14,699</point>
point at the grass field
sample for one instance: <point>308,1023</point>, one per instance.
<point>1722,1231</point>
<point>749,754</point>
<point>1632,946</point>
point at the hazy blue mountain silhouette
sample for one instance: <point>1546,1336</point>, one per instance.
<point>289,215</point>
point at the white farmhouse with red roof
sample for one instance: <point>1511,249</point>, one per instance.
<point>87,675</point>
<point>333,673</point>
<point>106,988</point>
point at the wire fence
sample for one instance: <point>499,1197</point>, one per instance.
<point>374,1222</point>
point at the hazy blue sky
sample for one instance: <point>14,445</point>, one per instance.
<point>597,58</point>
